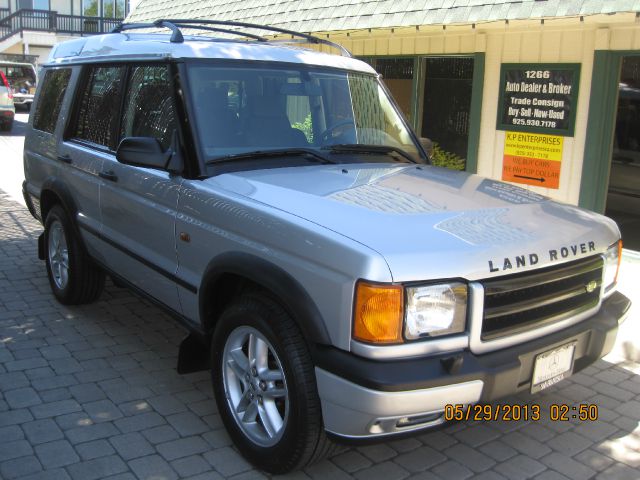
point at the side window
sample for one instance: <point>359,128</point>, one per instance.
<point>54,87</point>
<point>97,118</point>
<point>149,105</point>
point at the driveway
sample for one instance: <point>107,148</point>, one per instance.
<point>91,392</point>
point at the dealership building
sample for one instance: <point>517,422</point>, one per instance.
<point>544,94</point>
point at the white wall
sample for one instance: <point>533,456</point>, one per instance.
<point>64,6</point>
<point>548,44</point>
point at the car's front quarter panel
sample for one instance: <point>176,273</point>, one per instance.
<point>324,263</point>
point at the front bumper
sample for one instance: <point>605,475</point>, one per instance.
<point>364,398</point>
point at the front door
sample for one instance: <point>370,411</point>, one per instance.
<point>448,83</point>
<point>138,205</point>
<point>90,142</point>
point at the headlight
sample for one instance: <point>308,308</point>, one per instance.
<point>612,259</point>
<point>435,310</point>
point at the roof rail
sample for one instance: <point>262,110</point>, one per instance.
<point>174,25</point>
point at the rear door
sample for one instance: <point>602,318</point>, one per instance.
<point>91,138</point>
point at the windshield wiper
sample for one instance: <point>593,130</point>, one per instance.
<point>367,149</point>
<point>308,153</point>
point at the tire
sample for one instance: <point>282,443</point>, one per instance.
<point>73,277</point>
<point>256,319</point>
<point>6,126</point>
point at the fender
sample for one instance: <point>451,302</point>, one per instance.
<point>54,187</point>
<point>287,289</point>
<point>34,208</point>
<point>60,190</point>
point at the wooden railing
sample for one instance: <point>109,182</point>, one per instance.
<point>52,21</point>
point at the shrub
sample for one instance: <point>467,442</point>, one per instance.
<point>442,158</point>
<point>305,127</point>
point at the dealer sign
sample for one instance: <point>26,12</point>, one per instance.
<point>538,97</point>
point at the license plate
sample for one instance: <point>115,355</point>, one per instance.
<point>552,366</point>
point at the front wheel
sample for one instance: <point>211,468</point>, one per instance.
<point>74,279</point>
<point>264,384</point>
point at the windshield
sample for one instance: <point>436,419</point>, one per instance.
<point>240,110</point>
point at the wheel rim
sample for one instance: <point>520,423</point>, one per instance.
<point>58,255</point>
<point>255,386</point>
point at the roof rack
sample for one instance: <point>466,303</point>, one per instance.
<point>174,25</point>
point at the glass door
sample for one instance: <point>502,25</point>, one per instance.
<point>623,197</point>
<point>398,76</point>
<point>446,106</point>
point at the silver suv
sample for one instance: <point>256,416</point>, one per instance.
<point>275,201</point>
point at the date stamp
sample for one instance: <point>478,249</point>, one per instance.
<point>506,412</point>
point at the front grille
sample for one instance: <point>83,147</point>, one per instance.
<point>524,301</point>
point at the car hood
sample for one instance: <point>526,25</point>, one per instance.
<point>429,222</point>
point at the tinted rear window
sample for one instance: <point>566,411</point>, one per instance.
<point>50,100</point>
<point>97,117</point>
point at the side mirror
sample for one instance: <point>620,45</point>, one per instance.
<point>427,144</point>
<point>142,152</point>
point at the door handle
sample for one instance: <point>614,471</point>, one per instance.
<point>65,159</point>
<point>108,175</point>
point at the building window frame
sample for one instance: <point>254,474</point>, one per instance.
<point>31,4</point>
<point>475,108</point>
<point>601,122</point>
<point>416,64</point>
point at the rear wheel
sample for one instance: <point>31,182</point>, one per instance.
<point>264,384</point>
<point>74,279</point>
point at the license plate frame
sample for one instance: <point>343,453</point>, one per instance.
<point>551,366</point>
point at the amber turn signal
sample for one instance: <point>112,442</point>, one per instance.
<point>378,313</point>
<point>619,260</point>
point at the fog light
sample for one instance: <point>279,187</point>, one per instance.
<point>418,419</point>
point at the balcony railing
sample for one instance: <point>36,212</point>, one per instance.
<point>51,21</point>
